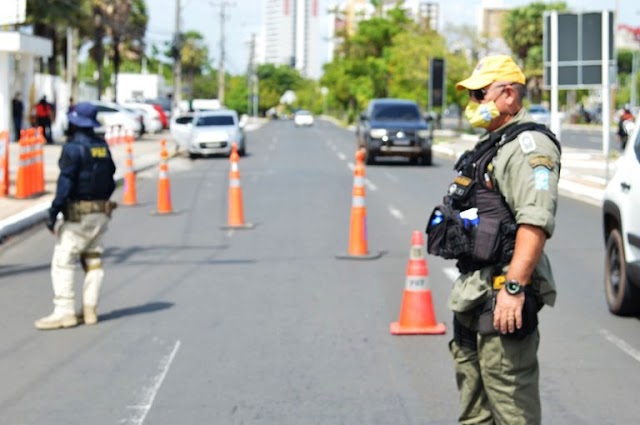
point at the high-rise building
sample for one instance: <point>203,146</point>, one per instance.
<point>293,36</point>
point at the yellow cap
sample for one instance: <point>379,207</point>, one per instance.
<point>490,69</point>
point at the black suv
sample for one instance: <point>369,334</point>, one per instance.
<point>394,127</point>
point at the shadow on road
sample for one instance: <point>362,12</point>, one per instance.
<point>139,309</point>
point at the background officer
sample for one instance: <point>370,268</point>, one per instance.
<point>497,370</point>
<point>84,187</point>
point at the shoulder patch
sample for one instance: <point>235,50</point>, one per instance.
<point>542,161</point>
<point>541,178</point>
<point>527,144</point>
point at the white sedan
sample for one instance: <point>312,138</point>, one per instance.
<point>303,118</point>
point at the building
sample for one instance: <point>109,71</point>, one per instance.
<point>293,35</point>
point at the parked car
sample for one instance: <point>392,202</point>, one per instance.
<point>209,132</point>
<point>151,116</point>
<point>622,232</point>
<point>303,118</point>
<point>394,127</point>
<point>540,114</point>
<point>113,115</point>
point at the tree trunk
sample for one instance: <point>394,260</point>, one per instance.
<point>116,66</point>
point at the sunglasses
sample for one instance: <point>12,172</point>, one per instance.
<point>479,94</point>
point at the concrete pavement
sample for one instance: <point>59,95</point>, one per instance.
<point>577,177</point>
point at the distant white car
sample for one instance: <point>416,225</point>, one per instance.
<point>150,115</point>
<point>303,118</point>
<point>209,132</point>
<point>540,114</point>
<point>621,223</point>
<point>113,115</point>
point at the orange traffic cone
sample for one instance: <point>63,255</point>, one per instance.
<point>164,187</point>
<point>4,163</point>
<point>129,196</point>
<point>235,219</point>
<point>416,313</point>
<point>358,247</point>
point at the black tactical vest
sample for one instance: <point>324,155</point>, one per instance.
<point>490,240</point>
<point>95,179</point>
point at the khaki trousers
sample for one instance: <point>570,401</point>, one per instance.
<point>498,383</point>
<point>81,241</point>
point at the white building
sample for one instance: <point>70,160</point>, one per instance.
<point>140,86</point>
<point>293,35</point>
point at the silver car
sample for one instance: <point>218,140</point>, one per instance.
<point>209,132</point>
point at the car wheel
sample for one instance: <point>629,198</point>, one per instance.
<point>192,155</point>
<point>369,158</point>
<point>622,297</point>
<point>242,152</point>
<point>426,158</point>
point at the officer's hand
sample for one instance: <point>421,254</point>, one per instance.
<point>507,316</point>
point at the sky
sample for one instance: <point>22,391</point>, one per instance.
<point>244,17</point>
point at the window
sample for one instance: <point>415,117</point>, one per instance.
<point>396,112</point>
<point>215,120</point>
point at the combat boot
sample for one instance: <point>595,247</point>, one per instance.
<point>90,315</point>
<point>57,320</point>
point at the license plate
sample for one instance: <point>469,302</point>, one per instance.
<point>402,142</point>
<point>212,145</point>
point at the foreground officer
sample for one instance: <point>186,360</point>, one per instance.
<point>495,220</point>
<point>84,187</point>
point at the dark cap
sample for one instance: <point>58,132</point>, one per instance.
<point>84,115</point>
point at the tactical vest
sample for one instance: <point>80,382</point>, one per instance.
<point>489,240</point>
<point>95,179</point>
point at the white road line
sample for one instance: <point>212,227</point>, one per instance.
<point>391,177</point>
<point>396,213</point>
<point>451,272</point>
<point>372,187</point>
<point>150,394</point>
<point>621,344</point>
<point>342,156</point>
<point>351,166</point>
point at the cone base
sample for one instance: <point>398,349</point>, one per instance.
<point>437,329</point>
<point>245,226</point>
<point>156,212</point>
<point>374,255</point>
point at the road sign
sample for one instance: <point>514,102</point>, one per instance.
<point>437,82</point>
<point>578,41</point>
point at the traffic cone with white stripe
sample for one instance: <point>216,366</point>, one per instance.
<point>164,187</point>
<point>358,245</point>
<point>235,218</point>
<point>416,312</point>
<point>129,194</point>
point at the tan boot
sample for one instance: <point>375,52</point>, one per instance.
<point>57,320</point>
<point>90,315</point>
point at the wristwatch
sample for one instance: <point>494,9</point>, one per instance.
<point>513,287</point>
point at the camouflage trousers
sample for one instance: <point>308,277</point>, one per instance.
<point>498,382</point>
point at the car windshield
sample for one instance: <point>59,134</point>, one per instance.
<point>303,113</point>
<point>396,112</point>
<point>215,120</point>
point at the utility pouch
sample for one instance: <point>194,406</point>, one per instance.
<point>446,236</point>
<point>485,319</point>
<point>109,207</point>
<point>529,316</point>
<point>485,239</point>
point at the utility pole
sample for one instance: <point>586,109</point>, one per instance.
<point>252,101</point>
<point>177,63</point>
<point>223,5</point>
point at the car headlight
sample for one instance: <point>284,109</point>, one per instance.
<point>378,133</point>
<point>423,134</point>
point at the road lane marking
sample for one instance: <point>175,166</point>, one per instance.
<point>396,213</point>
<point>342,156</point>
<point>621,344</point>
<point>451,272</point>
<point>391,177</point>
<point>150,393</point>
<point>372,187</point>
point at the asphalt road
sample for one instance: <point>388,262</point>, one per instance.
<point>264,326</point>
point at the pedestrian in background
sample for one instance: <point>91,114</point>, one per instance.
<point>84,187</point>
<point>44,115</point>
<point>501,209</point>
<point>17,112</point>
